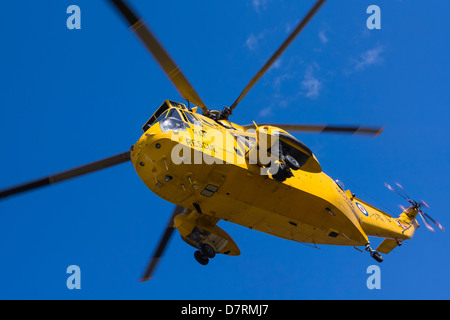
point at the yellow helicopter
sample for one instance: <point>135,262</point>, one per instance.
<point>255,175</point>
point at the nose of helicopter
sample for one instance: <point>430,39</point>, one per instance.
<point>154,157</point>
<point>150,151</point>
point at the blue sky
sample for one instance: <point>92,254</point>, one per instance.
<point>69,97</point>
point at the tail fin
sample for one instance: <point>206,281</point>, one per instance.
<point>407,221</point>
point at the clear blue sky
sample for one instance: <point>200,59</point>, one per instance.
<point>69,97</point>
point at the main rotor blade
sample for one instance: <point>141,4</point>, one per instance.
<point>162,244</point>
<point>375,131</point>
<point>171,69</point>
<point>72,173</point>
<point>278,53</point>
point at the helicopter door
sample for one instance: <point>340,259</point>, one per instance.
<point>267,137</point>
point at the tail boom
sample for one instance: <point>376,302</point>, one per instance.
<point>378,223</point>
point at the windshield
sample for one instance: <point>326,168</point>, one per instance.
<point>172,121</point>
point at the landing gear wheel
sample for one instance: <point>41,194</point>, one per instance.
<point>291,162</point>
<point>377,256</point>
<point>374,254</point>
<point>279,176</point>
<point>207,250</point>
<point>202,259</point>
<point>282,173</point>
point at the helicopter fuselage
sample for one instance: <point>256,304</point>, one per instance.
<point>193,168</point>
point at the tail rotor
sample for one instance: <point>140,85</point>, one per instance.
<point>424,216</point>
<point>415,205</point>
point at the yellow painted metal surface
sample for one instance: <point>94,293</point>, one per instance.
<point>221,181</point>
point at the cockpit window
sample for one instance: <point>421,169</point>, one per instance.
<point>340,184</point>
<point>151,122</point>
<point>192,119</point>
<point>162,116</point>
<point>170,113</point>
<point>173,121</point>
<point>173,113</point>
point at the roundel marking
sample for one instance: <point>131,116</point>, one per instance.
<point>362,209</point>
